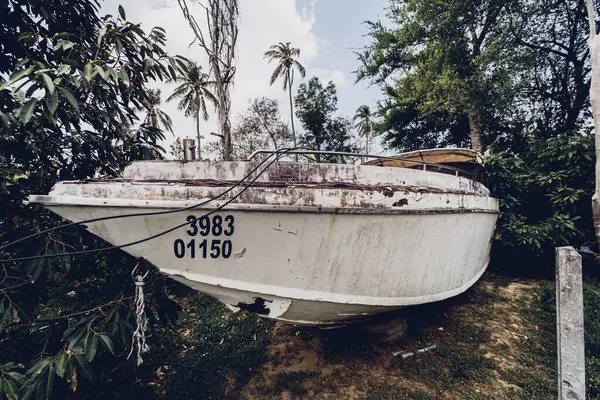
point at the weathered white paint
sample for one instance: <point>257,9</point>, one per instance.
<point>316,253</point>
<point>569,323</point>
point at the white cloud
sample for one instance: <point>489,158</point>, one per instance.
<point>262,23</point>
<point>326,75</point>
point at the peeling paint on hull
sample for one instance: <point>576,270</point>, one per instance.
<point>304,251</point>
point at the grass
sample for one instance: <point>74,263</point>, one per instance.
<point>481,353</point>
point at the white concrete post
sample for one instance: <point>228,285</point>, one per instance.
<point>569,325</point>
<point>189,149</point>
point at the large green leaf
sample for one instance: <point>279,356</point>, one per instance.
<point>40,390</point>
<point>62,69</point>
<point>52,101</point>
<point>20,74</point>
<point>48,82</point>
<point>90,347</point>
<point>122,12</point>
<point>107,342</point>
<point>118,46</point>
<point>124,76</point>
<point>88,72</point>
<point>27,110</point>
<point>60,364</point>
<point>11,390</point>
<point>66,93</point>
<point>101,34</point>
<point>50,382</point>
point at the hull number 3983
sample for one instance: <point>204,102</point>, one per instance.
<point>219,227</point>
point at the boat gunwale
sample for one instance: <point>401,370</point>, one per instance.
<point>69,201</point>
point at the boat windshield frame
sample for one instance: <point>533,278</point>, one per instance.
<point>456,171</point>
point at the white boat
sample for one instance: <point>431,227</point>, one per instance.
<point>308,243</point>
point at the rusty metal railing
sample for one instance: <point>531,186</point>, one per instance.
<point>456,171</point>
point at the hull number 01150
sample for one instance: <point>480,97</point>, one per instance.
<point>216,226</point>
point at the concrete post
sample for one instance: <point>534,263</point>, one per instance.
<point>189,149</point>
<point>569,325</point>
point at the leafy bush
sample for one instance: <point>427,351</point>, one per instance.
<point>591,307</point>
<point>544,193</point>
<point>70,85</point>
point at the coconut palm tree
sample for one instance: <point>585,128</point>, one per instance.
<point>286,58</point>
<point>363,121</point>
<point>193,92</point>
<point>152,128</point>
<point>155,117</point>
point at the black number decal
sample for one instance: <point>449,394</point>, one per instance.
<point>192,246</point>
<point>179,248</point>
<point>226,250</point>
<point>230,220</point>
<point>215,248</point>
<point>193,231</point>
<point>217,228</point>
<point>203,248</point>
<point>216,225</point>
<point>204,225</point>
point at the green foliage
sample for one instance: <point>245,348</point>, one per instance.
<point>176,149</point>
<point>260,127</point>
<point>512,69</point>
<point>591,307</point>
<point>315,106</point>
<point>438,56</point>
<point>286,58</point>
<point>544,193</point>
<point>364,123</point>
<point>222,350</point>
<point>193,92</point>
<point>72,86</point>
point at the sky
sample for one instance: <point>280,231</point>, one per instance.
<point>327,32</point>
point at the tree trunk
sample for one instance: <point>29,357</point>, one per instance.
<point>292,119</point>
<point>224,116</point>
<point>198,133</point>
<point>594,44</point>
<point>475,130</point>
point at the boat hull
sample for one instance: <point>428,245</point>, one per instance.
<point>311,268</point>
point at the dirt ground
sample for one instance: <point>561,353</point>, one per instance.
<point>494,342</point>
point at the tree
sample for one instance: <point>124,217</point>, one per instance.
<point>363,120</point>
<point>315,106</point>
<point>286,58</point>
<point>260,127</point>
<point>551,57</point>
<point>520,64</point>
<point>222,17</point>
<point>193,92</point>
<point>437,58</point>
<point>71,85</point>
<point>177,149</point>
<point>153,125</point>
<point>155,117</point>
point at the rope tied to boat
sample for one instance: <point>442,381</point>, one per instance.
<point>138,341</point>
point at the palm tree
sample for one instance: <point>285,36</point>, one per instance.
<point>152,127</point>
<point>365,123</point>
<point>285,56</point>
<point>192,93</point>
<point>155,118</point>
